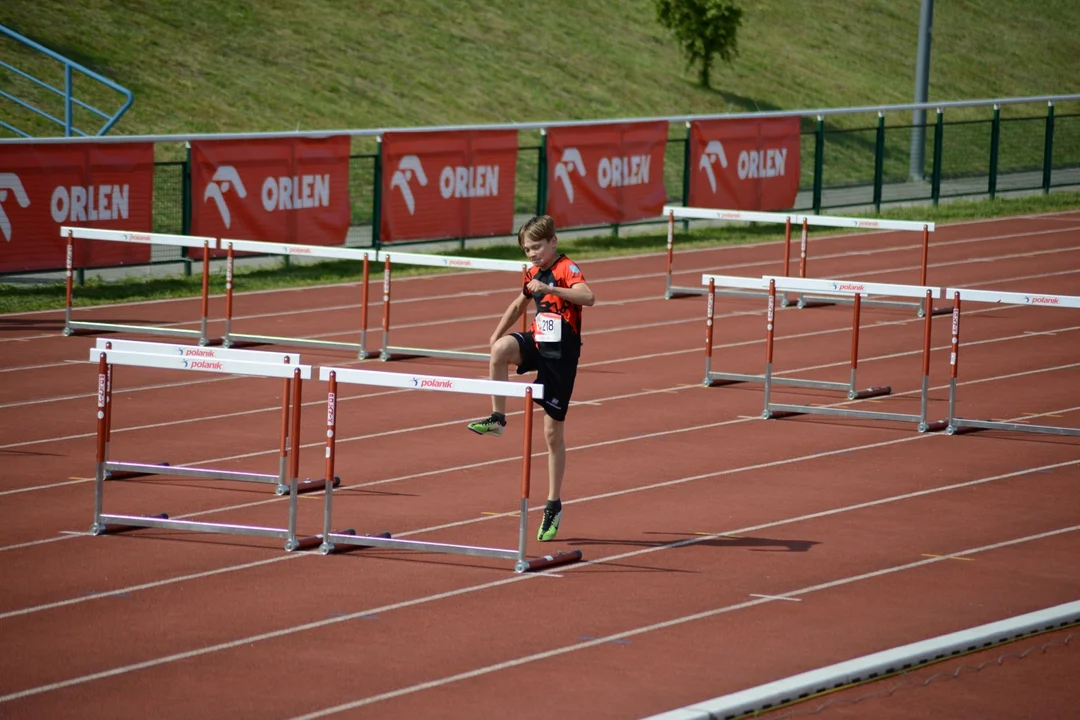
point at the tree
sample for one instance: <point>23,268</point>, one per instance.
<point>703,28</point>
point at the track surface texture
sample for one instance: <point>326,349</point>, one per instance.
<point>722,551</point>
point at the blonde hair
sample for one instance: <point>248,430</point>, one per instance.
<point>540,227</point>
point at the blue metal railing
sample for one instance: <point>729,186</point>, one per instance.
<point>66,93</point>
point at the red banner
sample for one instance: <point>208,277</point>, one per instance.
<point>744,164</point>
<point>449,184</point>
<point>290,190</point>
<point>98,185</point>
<point>606,173</point>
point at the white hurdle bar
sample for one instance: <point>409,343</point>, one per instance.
<point>854,290</point>
<point>330,540</point>
<point>290,250</point>
<point>445,261</point>
<point>955,424</point>
<point>789,219</point>
<point>225,361</point>
<point>79,233</point>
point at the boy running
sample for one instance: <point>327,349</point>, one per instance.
<point>551,348</point>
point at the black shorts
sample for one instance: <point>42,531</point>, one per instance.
<point>557,376</point>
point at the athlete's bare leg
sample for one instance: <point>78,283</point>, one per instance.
<point>504,353</point>
<point>553,433</point>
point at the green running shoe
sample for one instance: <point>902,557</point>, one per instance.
<point>549,526</point>
<point>491,426</point>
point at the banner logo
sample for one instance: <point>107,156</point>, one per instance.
<point>409,165</point>
<point>713,151</point>
<point>10,181</point>
<point>571,160</point>
<point>219,185</point>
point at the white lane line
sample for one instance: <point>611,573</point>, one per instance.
<point>775,597</point>
<point>666,624</point>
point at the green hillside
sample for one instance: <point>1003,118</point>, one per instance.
<point>267,65</point>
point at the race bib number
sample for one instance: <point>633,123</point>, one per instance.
<point>548,327</point>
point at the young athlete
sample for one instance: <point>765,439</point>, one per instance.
<point>551,348</point>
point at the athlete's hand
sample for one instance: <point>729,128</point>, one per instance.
<point>538,288</point>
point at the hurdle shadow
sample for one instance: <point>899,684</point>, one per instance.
<point>754,544</point>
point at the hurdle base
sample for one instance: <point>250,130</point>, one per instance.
<point>393,352</point>
<point>959,425</point>
<point>329,548</point>
<point>115,528</point>
<point>547,561</point>
<point>869,392</point>
<point>936,426</point>
<point>313,541</point>
<point>132,474</point>
<point>679,292</point>
<point>307,486</point>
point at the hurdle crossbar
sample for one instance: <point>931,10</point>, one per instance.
<point>292,250</point>
<point>855,290</point>
<point>955,424</point>
<point>330,539</point>
<point>79,233</point>
<point>171,357</point>
<point>389,351</point>
<point>789,219</point>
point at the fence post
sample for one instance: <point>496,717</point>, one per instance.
<point>376,197</point>
<point>819,162</point>
<point>686,177</point>
<point>879,160</point>
<point>541,174</point>
<point>1048,148</point>
<point>939,133</point>
<point>995,143</point>
<point>185,205</point>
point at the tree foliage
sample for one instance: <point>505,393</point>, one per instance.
<point>703,29</point>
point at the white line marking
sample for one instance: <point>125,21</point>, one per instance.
<point>776,597</point>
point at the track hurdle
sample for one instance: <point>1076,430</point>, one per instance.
<point>853,290</point>
<point>955,424</point>
<point>805,222</point>
<point>763,286</point>
<point>291,250</point>
<point>331,540</point>
<point>389,351</point>
<point>292,376</point>
<point>79,233</point>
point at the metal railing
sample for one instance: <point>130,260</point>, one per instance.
<point>67,93</point>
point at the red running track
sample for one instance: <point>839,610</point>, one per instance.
<point>723,551</point>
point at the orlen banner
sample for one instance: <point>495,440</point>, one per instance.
<point>606,173</point>
<point>290,190</point>
<point>108,186</point>
<point>744,164</point>
<point>447,184</point>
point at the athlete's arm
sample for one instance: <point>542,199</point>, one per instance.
<point>579,294</point>
<point>513,312</point>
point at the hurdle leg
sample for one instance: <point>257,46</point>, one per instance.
<point>384,354</point>
<point>784,302</point>
<point>709,316</point>
<point>327,547</point>
<point>770,317</point>
<point>68,279</point>
<point>98,526</point>
<point>526,474</point>
<point>670,251</point>
<point>363,353</point>
<point>283,459</point>
<point>203,339</point>
<point>290,538</point>
<point>852,393</point>
<point>226,341</point>
<point>924,399</point>
<point>954,361</point>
